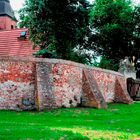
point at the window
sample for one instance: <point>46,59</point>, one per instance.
<point>23,34</point>
<point>12,27</point>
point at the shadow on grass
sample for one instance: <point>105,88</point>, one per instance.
<point>119,121</point>
<point>39,134</point>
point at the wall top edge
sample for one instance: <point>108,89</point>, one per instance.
<point>57,61</point>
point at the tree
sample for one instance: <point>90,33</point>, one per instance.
<point>114,25</point>
<point>136,32</point>
<point>108,64</point>
<point>59,26</point>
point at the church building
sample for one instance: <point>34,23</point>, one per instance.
<point>13,41</point>
<point>7,18</point>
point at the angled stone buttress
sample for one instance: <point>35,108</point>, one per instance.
<point>92,96</point>
<point>121,94</point>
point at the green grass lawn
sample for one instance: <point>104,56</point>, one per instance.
<point>118,122</point>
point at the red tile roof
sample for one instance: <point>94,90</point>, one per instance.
<point>10,45</point>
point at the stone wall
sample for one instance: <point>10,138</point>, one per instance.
<point>17,85</point>
<point>58,84</point>
<point>35,83</point>
<point>108,82</point>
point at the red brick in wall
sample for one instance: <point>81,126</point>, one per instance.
<point>17,85</point>
<point>27,83</point>
<point>67,82</point>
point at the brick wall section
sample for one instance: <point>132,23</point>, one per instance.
<point>17,85</point>
<point>51,83</point>
<point>67,85</point>
<point>108,83</point>
<point>121,94</point>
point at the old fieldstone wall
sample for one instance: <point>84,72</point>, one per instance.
<point>112,85</point>
<point>35,83</point>
<point>17,85</point>
<point>67,84</point>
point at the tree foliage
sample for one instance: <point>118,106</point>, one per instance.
<point>115,28</point>
<point>63,29</point>
<point>108,64</point>
<point>59,26</point>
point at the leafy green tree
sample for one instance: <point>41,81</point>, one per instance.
<point>58,26</point>
<point>115,29</point>
<point>108,64</point>
<point>136,32</point>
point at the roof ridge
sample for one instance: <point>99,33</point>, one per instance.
<point>13,30</point>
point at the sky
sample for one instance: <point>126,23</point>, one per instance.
<point>17,4</point>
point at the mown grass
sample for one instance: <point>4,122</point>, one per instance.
<point>118,122</point>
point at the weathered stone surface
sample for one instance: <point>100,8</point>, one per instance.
<point>34,83</point>
<point>17,84</point>
<point>67,85</point>
<point>106,81</point>
<point>92,96</point>
<point>45,96</point>
<point>121,94</point>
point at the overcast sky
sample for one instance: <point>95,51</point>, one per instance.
<point>16,4</point>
